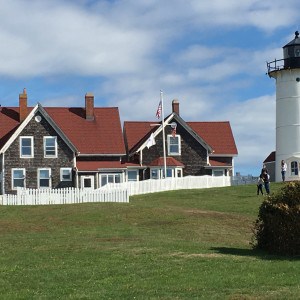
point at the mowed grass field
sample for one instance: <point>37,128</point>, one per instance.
<point>189,244</point>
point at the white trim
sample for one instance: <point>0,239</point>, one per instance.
<point>160,172</point>
<point>12,177</point>
<point>184,125</point>
<point>169,136</point>
<point>55,146</point>
<point>136,174</point>
<point>121,174</point>
<point>61,174</point>
<point>39,108</point>
<point>38,178</point>
<point>83,177</point>
<point>19,130</point>
<point>31,146</point>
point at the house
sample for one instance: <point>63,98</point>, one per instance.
<point>53,147</point>
<point>269,162</point>
<point>192,148</point>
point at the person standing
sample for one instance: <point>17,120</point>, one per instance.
<point>283,170</point>
<point>266,179</point>
<point>260,183</point>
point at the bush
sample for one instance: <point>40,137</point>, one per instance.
<point>277,228</point>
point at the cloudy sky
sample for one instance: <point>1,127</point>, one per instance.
<point>210,55</point>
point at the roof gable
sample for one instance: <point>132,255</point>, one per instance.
<point>218,135</point>
<point>101,136</point>
<point>17,130</point>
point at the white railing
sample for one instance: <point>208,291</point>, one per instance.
<point>64,196</point>
<point>155,185</point>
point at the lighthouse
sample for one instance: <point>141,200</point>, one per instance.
<point>286,72</point>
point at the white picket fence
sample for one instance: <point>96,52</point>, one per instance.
<point>118,192</point>
<point>64,196</point>
<point>154,185</point>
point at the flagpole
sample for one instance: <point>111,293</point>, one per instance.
<point>163,132</point>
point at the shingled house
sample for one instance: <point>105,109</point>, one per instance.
<point>192,148</point>
<point>55,147</point>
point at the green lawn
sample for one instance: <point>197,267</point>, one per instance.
<point>191,244</point>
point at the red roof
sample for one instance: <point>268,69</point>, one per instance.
<point>96,165</point>
<point>218,135</point>
<point>270,158</point>
<point>216,163</point>
<point>103,135</point>
<point>170,161</point>
<point>136,131</point>
<point>9,122</point>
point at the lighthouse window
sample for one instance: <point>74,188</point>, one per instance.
<point>297,52</point>
<point>294,168</point>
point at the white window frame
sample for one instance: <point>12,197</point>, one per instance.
<point>31,146</point>
<point>110,178</point>
<point>136,175</point>
<point>39,178</point>
<point>89,177</point>
<point>13,187</point>
<point>169,138</point>
<point>160,172</point>
<point>55,145</point>
<point>62,174</point>
<point>293,173</point>
<point>215,172</point>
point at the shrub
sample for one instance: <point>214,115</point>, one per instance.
<point>277,229</point>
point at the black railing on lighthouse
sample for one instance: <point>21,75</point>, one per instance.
<point>281,64</point>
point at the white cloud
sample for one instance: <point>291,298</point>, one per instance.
<point>135,48</point>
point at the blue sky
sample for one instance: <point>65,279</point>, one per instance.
<point>210,55</point>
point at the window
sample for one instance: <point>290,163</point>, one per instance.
<point>26,146</point>
<point>218,172</point>
<point>18,178</point>
<point>169,172</point>
<point>87,182</point>
<point>132,175</point>
<point>294,168</point>
<point>174,145</point>
<point>110,178</point>
<point>44,178</point>
<point>154,174</point>
<point>65,174</point>
<point>157,173</point>
<point>50,146</point>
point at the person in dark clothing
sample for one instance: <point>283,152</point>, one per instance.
<point>266,179</point>
<point>260,183</point>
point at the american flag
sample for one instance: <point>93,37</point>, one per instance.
<point>158,112</point>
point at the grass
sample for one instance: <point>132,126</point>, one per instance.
<point>191,244</point>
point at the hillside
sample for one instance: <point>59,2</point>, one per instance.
<point>191,244</point>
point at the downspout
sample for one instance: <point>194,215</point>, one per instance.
<point>76,170</point>
<point>2,179</point>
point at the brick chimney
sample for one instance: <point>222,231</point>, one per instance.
<point>89,106</point>
<point>23,111</point>
<point>175,106</point>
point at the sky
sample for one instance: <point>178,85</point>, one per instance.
<point>210,55</point>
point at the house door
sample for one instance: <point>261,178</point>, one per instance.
<point>87,182</point>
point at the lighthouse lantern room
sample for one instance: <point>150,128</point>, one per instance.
<point>286,72</point>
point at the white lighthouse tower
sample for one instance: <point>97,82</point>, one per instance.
<point>286,71</point>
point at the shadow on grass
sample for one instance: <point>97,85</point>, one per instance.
<point>260,254</point>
